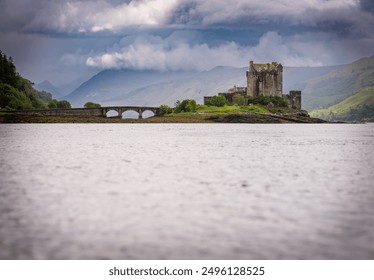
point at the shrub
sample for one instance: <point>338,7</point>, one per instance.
<point>64,104</point>
<point>165,109</point>
<point>187,105</point>
<point>239,99</point>
<point>52,104</point>
<point>92,105</point>
<point>217,101</point>
<point>265,100</point>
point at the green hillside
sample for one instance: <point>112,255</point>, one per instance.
<point>335,86</point>
<point>16,92</point>
<point>358,107</point>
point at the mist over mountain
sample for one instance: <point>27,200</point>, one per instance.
<point>48,87</point>
<point>321,86</point>
<point>59,91</point>
<point>358,107</point>
<point>336,85</point>
<point>195,86</point>
<point>109,84</point>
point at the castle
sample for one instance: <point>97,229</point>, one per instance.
<point>264,80</point>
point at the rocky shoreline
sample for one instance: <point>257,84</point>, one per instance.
<point>265,118</point>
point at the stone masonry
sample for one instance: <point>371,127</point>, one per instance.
<point>100,112</point>
<point>265,79</point>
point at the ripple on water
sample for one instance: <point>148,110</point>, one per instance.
<point>186,191</point>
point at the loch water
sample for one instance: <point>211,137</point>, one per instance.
<point>186,191</point>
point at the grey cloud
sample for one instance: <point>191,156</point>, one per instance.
<point>343,17</point>
<point>48,15</point>
<point>94,15</point>
<point>207,31</point>
<point>367,5</point>
<point>169,53</point>
<point>30,16</point>
<point>186,13</point>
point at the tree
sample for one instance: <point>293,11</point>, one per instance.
<point>52,104</point>
<point>45,96</point>
<point>217,101</point>
<point>90,104</point>
<point>191,106</point>
<point>165,109</point>
<point>187,105</point>
<point>63,104</point>
<point>16,92</point>
<point>13,99</point>
<point>239,99</point>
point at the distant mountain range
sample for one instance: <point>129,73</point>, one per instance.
<point>357,107</point>
<point>321,86</point>
<point>336,85</point>
<point>110,86</point>
<point>61,90</point>
<point>48,87</point>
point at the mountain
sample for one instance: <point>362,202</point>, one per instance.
<point>111,87</point>
<point>196,86</point>
<point>154,88</point>
<point>334,86</point>
<point>48,87</point>
<point>296,78</point>
<point>321,86</point>
<point>108,84</point>
<point>358,107</point>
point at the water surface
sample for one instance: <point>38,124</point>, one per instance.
<point>180,191</point>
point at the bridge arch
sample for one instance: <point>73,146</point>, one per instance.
<point>121,111</point>
<point>131,114</point>
<point>112,113</point>
<point>148,113</point>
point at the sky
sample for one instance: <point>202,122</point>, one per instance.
<point>64,40</point>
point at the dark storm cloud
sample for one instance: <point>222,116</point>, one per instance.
<point>343,18</point>
<point>96,16</point>
<point>45,15</point>
<point>367,5</point>
<point>125,33</point>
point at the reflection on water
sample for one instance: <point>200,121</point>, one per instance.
<point>122,191</point>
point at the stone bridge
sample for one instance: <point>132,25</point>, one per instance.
<point>99,111</point>
<point>121,109</point>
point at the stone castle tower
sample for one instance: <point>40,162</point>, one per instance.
<point>265,79</point>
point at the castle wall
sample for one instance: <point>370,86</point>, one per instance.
<point>294,99</point>
<point>279,83</point>
<point>295,95</point>
<point>265,79</point>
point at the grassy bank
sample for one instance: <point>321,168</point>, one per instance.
<point>357,107</point>
<point>232,109</point>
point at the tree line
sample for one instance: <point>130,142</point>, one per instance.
<point>190,105</point>
<point>17,93</point>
